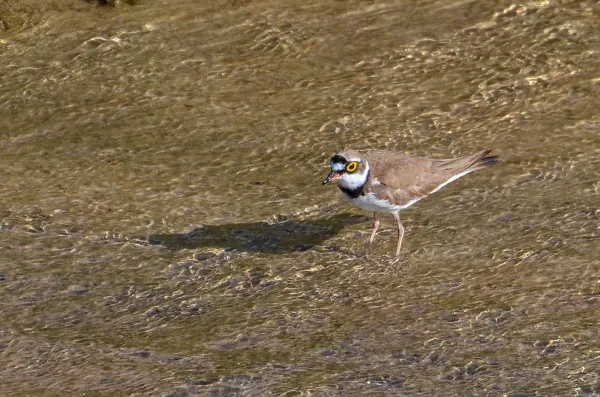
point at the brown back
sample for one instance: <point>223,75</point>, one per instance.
<point>404,178</point>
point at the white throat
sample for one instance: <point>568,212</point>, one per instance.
<point>355,180</point>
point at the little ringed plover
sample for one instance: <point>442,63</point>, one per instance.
<point>383,181</point>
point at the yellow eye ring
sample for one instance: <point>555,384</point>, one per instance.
<point>352,166</point>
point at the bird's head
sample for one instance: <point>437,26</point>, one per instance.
<point>348,169</point>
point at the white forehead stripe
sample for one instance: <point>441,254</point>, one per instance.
<point>337,166</point>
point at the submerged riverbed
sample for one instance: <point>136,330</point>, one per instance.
<point>164,229</point>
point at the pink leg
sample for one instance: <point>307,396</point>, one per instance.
<point>400,234</point>
<point>373,233</point>
<point>375,228</point>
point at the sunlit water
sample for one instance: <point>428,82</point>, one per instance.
<point>164,230</point>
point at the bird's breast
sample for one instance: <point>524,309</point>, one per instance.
<point>371,202</point>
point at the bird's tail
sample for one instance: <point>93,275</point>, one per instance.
<point>472,162</point>
<point>482,160</point>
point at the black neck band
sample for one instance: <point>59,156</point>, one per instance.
<point>354,193</point>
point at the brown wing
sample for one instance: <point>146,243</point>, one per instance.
<point>404,178</point>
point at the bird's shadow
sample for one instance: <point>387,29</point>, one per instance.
<point>293,235</point>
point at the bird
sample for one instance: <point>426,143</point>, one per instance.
<point>389,182</point>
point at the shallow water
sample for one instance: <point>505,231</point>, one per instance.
<point>165,232</point>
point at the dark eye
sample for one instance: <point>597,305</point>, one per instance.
<point>352,166</point>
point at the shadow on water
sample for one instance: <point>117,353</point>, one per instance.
<point>292,235</point>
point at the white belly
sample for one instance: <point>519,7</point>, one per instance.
<point>370,202</point>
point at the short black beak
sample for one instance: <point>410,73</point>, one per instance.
<point>331,177</point>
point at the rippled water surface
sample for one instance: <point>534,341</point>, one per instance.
<point>164,230</point>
